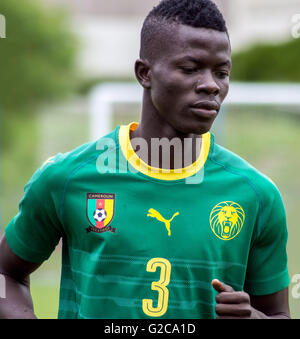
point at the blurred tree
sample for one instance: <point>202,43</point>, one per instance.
<point>37,56</point>
<point>268,63</point>
<point>37,65</point>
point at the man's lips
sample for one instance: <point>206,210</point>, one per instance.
<point>206,105</point>
<point>205,108</point>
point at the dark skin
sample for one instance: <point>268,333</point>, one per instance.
<point>193,68</point>
<point>18,302</point>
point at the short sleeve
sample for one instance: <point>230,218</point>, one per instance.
<point>267,270</point>
<point>36,230</point>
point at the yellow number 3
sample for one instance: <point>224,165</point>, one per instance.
<point>159,286</point>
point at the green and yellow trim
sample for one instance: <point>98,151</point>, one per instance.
<point>160,173</point>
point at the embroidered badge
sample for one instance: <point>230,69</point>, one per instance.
<point>100,210</point>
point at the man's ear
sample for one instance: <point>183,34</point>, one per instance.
<point>143,72</point>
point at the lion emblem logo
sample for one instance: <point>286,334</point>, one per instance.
<point>227,219</point>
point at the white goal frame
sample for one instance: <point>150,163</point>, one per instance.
<point>104,96</point>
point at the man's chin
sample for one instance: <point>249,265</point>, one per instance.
<point>197,129</point>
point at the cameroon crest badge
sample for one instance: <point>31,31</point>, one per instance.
<point>227,219</point>
<point>100,210</point>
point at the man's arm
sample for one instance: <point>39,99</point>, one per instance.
<point>240,305</point>
<point>275,305</point>
<point>15,276</point>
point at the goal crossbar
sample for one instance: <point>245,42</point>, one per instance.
<point>104,96</point>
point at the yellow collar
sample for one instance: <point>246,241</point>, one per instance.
<point>159,173</point>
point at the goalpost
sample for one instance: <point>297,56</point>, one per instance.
<point>103,98</point>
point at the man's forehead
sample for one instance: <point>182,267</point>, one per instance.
<point>182,38</point>
<point>201,38</point>
<point>219,59</point>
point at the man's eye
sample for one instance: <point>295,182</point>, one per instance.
<point>222,74</point>
<point>188,70</point>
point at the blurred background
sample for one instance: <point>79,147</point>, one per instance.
<point>58,56</point>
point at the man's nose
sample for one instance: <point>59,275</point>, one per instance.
<point>206,83</point>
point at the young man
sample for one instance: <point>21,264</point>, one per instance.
<point>191,231</point>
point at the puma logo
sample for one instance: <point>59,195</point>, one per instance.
<point>154,214</point>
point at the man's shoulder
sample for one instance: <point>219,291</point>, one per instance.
<point>56,169</point>
<point>235,164</point>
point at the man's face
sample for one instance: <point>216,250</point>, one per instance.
<point>190,78</point>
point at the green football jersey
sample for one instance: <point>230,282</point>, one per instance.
<point>142,242</point>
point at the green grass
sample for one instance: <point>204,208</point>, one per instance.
<point>45,299</point>
<point>271,143</point>
<point>267,138</point>
<point>44,287</point>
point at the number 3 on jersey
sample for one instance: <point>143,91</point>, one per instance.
<point>159,286</point>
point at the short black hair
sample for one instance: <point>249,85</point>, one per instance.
<point>195,13</point>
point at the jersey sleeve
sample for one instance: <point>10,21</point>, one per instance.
<point>36,230</point>
<point>267,270</point>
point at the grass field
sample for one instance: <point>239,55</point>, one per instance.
<point>266,137</point>
<point>45,287</point>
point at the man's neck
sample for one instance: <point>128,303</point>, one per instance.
<point>163,146</point>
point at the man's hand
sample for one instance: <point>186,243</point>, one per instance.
<point>232,304</point>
